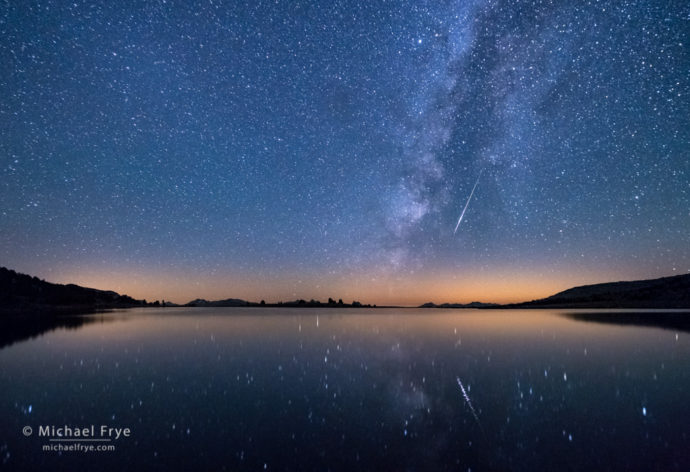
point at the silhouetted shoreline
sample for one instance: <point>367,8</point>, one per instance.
<point>23,295</point>
<point>664,292</point>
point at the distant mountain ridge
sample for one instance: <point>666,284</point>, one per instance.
<point>236,302</point>
<point>460,305</point>
<point>665,292</point>
<point>21,293</point>
<point>200,302</point>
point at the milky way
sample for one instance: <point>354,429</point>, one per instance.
<point>312,148</point>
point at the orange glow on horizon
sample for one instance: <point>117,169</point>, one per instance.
<point>415,289</point>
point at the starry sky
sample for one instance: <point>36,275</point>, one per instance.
<point>307,149</point>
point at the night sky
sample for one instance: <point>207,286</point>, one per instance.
<point>283,150</point>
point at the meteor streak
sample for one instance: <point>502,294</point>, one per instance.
<point>468,202</point>
<point>469,403</point>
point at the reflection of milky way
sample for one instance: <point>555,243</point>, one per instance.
<point>305,146</point>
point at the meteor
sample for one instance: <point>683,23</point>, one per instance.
<point>469,403</point>
<point>468,202</point>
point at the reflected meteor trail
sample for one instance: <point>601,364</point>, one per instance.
<point>468,202</point>
<point>469,403</point>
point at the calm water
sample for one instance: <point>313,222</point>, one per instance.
<point>265,389</point>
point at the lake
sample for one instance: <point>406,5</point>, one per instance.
<point>348,389</point>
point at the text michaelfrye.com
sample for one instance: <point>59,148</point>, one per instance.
<point>85,439</point>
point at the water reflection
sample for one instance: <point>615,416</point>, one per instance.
<point>252,389</point>
<point>675,320</point>
<point>15,329</point>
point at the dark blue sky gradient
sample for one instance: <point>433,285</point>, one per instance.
<point>275,150</point>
